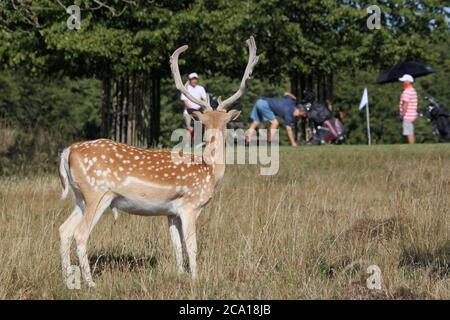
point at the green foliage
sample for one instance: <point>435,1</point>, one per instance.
<point>131,35</point>
<point>63,105</point>
<point>292,37</point>
<point>38,117</point>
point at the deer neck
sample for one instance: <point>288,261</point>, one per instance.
<point>214,153</point>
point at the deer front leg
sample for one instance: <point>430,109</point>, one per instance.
<point>188,219</point>
<point>175,235</point>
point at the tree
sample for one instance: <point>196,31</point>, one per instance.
<point>126,44</point>
<point>123,43</point>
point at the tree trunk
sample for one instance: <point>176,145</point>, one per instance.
<point>155,113</point>
<point>131,110</point>
<point>106,108</point>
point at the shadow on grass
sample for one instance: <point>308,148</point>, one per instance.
<point>372,229</point>
<point>124,262</point>
<point>436,261</point>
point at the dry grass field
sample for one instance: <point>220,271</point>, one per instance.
<point>309,232</point>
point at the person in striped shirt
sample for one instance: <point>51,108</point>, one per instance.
<point>408,107</point>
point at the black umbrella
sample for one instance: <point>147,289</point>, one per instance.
<point>415,69</point>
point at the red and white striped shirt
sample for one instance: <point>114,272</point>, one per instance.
<point>409,96</point>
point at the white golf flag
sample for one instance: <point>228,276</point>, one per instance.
<point>364,99</point>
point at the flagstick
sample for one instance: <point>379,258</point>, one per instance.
<point>369,140</point>
<point>365,103</point>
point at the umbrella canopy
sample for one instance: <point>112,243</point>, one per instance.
<point>416,69</point>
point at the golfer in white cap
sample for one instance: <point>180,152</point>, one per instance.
<point>198,92</point>
<point>408,107</point>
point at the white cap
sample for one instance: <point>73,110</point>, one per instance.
<point>406,78</point>
<point>192,75</point>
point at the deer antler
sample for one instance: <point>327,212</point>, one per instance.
<point>177,78</point>
<point>252,61</point>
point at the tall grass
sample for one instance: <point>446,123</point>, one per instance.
<point>309,232</point>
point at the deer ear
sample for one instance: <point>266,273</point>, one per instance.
<point>233,114</point>
<point>197,115</point>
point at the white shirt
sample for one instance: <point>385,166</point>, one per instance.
<point>198,92</point>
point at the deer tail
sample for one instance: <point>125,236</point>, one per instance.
<point>64,172</point>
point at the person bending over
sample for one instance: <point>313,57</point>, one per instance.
<point>268,109</point>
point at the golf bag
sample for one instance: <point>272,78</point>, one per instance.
<point>330,131</point>
<point>440,119</point>
<point>325,127</point>
<point>213,101</point>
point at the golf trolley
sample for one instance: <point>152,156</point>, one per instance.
<point>440,119</point>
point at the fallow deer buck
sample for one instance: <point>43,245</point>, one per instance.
<point>104,173</point>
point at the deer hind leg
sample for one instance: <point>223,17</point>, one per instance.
<point>94,210</point>
<point>66,232</point>
<point>188,219</point>
<point>175,235</point>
